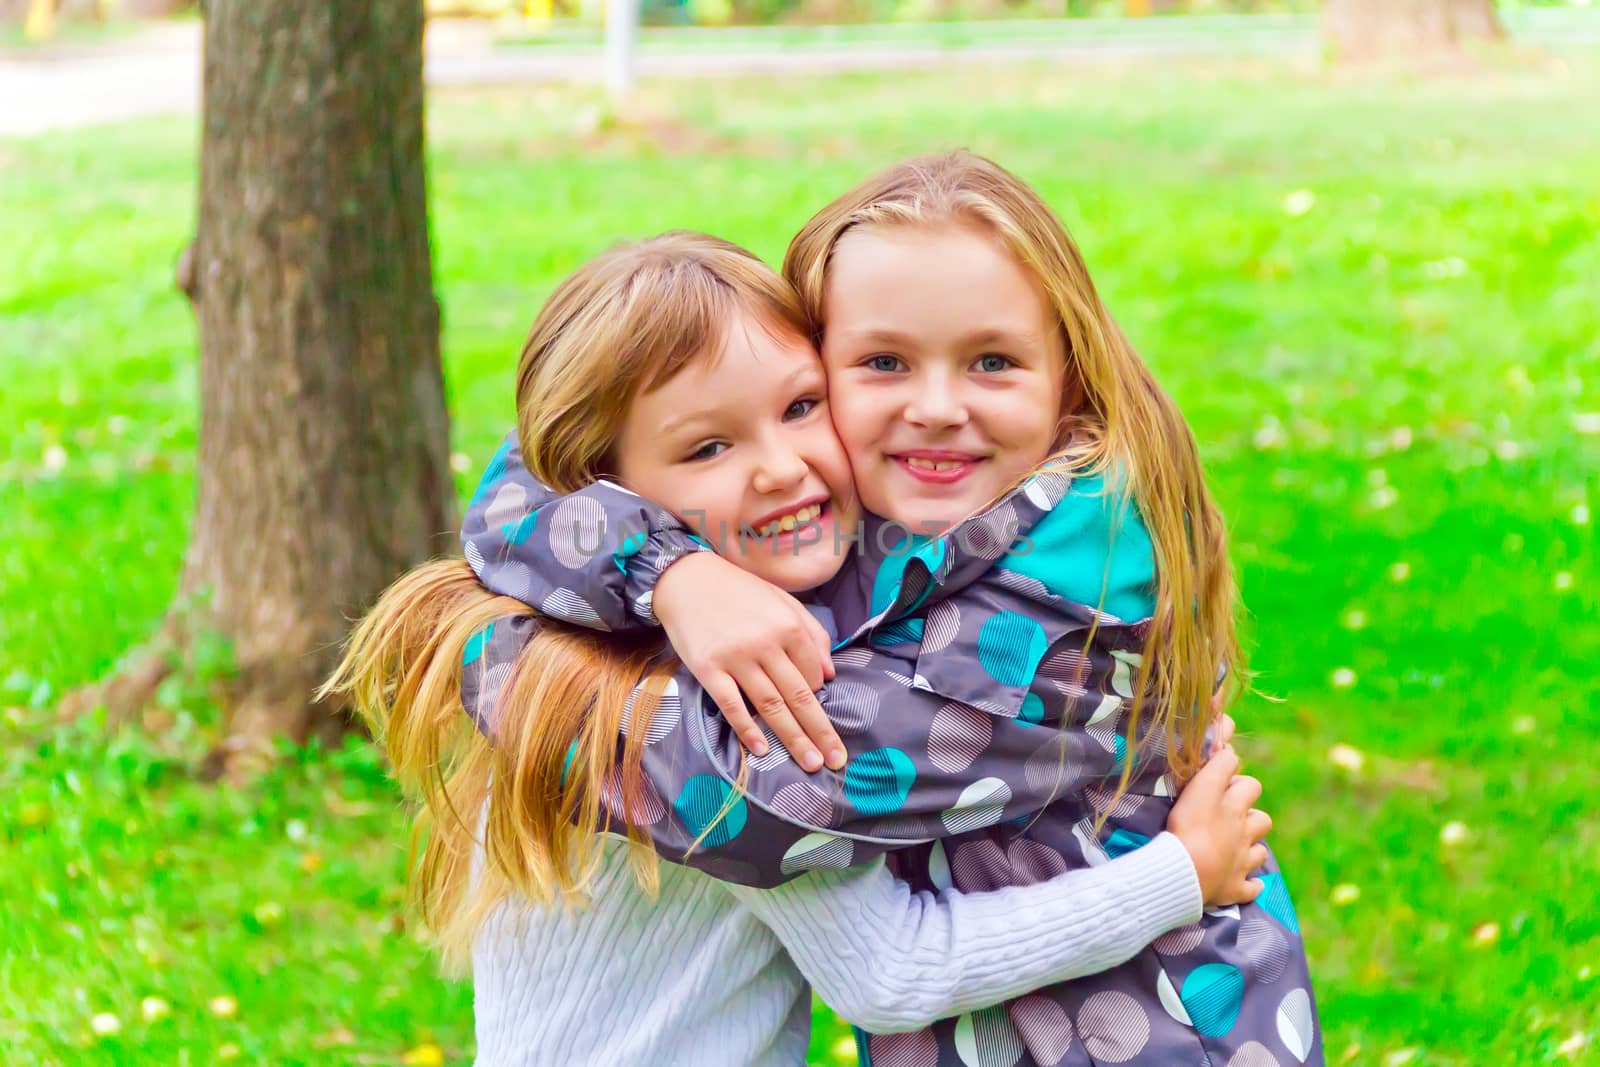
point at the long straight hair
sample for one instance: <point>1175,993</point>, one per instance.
<point>523,809</point>
<point>1117,421</point>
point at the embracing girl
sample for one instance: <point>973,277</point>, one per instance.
<point>977,380</point>
<point>670,965</point>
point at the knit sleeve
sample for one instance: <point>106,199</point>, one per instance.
<point>889,959</point>
<point>590,558</point>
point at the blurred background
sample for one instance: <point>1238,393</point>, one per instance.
<point>1359,241</point>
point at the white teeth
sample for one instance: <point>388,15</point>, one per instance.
<point>934,464</point>
<point>792,520</point>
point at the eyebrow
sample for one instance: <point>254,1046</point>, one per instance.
<point>989,336</point>
<point>690,418</point>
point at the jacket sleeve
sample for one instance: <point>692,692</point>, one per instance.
<point>921,767</point>
<point>590,558</point>
<point>890,959</point>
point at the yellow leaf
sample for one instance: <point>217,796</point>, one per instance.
<point>426,1054</point>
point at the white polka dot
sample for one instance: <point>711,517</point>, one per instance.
<point>980,866</point>
<point>1296,1026</point>
<point>1033,861</point>
<point>1264,948</point>
<point>509,506</point>
<point>855,656</point>
<point>577,531</point>
<point>980,804</point>
<point>804,803</point>
<point>1113,1026</point>
<point>565,604</point>
<point>916,1049</point>
<point>1167,993</point>
<point>987,1039</point>
<point>852,706</point>
<point>939,867</point>
<point>815,851</point>
<point>1043,1025</point>
<point>1183,940</point>
<point>665,718</point>
<point>940,628</point>
<point>644,806</point>
<point>957,736</point>
<point>1254,1054</point>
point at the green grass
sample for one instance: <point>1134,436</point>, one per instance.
<point>1376,303</point>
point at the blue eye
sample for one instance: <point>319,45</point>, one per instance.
<point>704,451</point>
<point>993,364</point>
<point>884,362</point>
<point>800,409</point>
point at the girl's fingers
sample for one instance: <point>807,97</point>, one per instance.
<point>1225,728</point>
<point>1257,824</point>
<point>1249,889</point>
<point>1244,791</point>
<point>1213,778</point>
<point>811,728</point>
<point>1257,857</point>
<point>725,691</point>
<point>774,711</point>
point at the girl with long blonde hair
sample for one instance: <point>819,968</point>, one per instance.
<point>973,372</point>
<point>679,368</point>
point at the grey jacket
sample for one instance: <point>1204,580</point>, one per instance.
<point>986,735</point>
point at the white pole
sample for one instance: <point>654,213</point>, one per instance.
<point>622,47</point>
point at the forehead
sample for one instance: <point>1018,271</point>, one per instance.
<point>751,359</point>
<point>930,278</point>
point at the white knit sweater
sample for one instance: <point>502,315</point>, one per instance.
<point>713,974</point>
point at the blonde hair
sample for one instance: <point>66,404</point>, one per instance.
<point>538,792</point>
<point>1121,423</point>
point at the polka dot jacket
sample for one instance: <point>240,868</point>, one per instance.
<point>985,735</point>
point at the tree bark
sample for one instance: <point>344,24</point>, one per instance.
<point>324,439</point>
<point>1365,30</point>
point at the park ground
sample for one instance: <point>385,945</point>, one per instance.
<point>1374,297</point>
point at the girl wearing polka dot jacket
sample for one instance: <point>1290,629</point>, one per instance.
<point>1035,615</point>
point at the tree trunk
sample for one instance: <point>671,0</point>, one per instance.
<point>324,440</point>
<point>1363,30</point>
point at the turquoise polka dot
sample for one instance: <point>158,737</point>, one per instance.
<point>475,645</point>
<point>1010,647</point>
<point>1121,842</point>
<point>517,532</point>
<point>631,546</point>
<point>877,782</point>
<point>1092,545</point>
<point>1274,900</point>
<point>704,796</point>
<point>1212,995</point>
<point>493,472</point>
<point>898,633</point>
<point>1032,711</point>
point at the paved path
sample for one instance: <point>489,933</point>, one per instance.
<point>157,71</point>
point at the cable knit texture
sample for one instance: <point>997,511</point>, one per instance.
<point>711,973</point>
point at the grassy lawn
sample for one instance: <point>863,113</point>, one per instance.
<point>1377,304</point>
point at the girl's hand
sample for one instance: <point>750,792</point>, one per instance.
<point>1216,823</point>
<point>736,632</point>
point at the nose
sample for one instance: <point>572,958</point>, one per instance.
<point>937,403</point>
<point>780,466</point>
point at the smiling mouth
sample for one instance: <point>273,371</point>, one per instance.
<point>804,516</point>
<point>937,470</point>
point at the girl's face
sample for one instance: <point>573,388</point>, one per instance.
<point>740,447</point>
<point>946,369</point>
